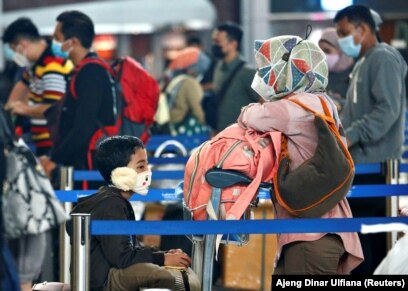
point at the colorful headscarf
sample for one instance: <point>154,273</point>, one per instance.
<point>289,64</point>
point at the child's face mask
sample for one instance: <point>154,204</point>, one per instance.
<point>127,179</point>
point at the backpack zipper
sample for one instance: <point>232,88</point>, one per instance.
<point>225,156</point>
<point>196,160</point>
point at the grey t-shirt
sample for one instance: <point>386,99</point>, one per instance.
<point>238,94</point>
<point>374,113</point>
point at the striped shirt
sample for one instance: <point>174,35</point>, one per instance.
<point>46,80</point>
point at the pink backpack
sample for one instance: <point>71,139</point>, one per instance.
<point>246,151</point>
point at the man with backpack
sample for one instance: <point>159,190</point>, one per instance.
<point>91,107</point>
<point>102,100</point>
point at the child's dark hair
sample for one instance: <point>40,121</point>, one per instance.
<point>114,152</point>
<point>21,28</point>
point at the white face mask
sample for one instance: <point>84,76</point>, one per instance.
<point>127,179</point>
<point>260,87</point>
<point>21,60</point>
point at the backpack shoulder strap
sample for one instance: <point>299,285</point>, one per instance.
<point>227,82</point>
<point>327,115</point>
<point>330,122</point>
<point>82,64</point>
<point>117,66</point>
<point>247,196</point>
<point>173,89</point>
<point>7,135</point>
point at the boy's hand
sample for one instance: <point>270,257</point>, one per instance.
<point>177,259</point>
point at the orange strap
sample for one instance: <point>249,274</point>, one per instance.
<point>331,123</point>
<point>284,152</point>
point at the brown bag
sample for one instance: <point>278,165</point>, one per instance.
<point>317,185</point>
<point>51,286</point>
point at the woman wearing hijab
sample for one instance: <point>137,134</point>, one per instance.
<point>292,68</point>
<point>339,65</point>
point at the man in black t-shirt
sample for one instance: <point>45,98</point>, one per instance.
<point>91,107</point>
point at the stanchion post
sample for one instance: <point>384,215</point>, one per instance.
<point>66,183</point>
<point>80,251</point>
<point>208,262</point>
<point>392,201</point>
<point>197,256</point>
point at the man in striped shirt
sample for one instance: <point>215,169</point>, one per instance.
<point>42,84</point>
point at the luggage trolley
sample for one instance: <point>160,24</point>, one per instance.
<point>204,245</point>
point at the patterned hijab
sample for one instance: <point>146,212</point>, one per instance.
<point>288,64</point>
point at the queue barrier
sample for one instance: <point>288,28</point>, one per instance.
<point>250,226</point>
<point>83,175</point>
<point>258,226</point>
<point>167,194</point>
<point>188,141</point>
<point>84,229</point>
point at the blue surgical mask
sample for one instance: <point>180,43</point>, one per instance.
<point>348,47</point>
<point>57,51</point>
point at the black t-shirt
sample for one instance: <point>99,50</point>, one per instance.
<point>81,116</point>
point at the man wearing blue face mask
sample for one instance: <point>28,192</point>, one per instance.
<point>88,104</point>
<point>43,81</point>
<point>374,113</point>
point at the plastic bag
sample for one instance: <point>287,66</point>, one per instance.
<point>395,263</point>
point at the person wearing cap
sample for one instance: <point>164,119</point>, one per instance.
<point>373,115</point>
<point>339,65</point>
<point>377,21</point>
<point>292,68</point>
